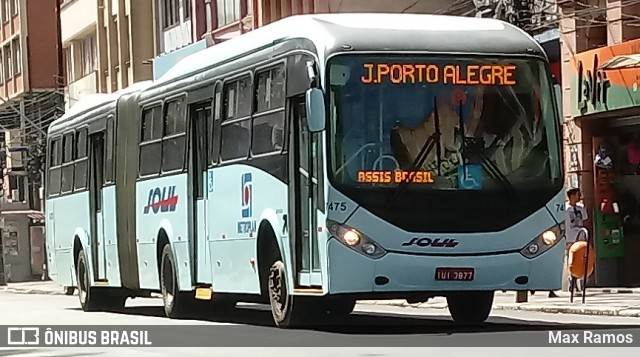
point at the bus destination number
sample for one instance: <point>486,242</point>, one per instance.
<point>337,206</point>
<point>455,274</point>
<point>395,177</point>
<point>559,207</point>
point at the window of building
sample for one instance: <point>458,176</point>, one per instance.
<point>68,54</point>
<point>186,9</point>
<point>170,13</point>
<point>228,11</point>
<point>8,62</point>
<point>151,142</point>
<point>5,10</point>
<point>174,138</point>
<point>15,4</point>
<point>17,56</point>
<point>89,55</point>
<point>1,68</point>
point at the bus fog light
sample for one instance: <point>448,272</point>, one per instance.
<point>533,248</point>
<point>369,248</point>
<point>351,238</point>
<point>549,237</point>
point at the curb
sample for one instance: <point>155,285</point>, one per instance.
<point>571,310</point>
<point>32,291</point>
<point>50,292</point>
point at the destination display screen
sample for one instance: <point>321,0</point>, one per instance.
<point>413,73</point>
<point>395,176</point>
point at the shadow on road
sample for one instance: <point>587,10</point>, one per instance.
<point>375,323</point>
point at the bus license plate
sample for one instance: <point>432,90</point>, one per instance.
<point>455,274</point>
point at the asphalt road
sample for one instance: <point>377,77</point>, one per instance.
<point>371,329</point>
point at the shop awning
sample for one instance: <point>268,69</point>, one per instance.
<point>620,62</point>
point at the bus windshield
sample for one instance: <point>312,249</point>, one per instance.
<point>442,123</point>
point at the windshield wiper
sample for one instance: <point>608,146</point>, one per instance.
<point>427,147</point>
<point>463,136</point>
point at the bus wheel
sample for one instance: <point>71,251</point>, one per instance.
<point>175,302</point>
<point>287,311</point>
<point>470,307</point>
<point>95,299</point>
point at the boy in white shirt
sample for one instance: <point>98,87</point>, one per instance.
<point>575,215</point>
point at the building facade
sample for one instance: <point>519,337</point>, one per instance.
<point>30,99</point>
<point>108,45</point>
<point>601,108</point>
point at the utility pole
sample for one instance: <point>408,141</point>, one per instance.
<point>3,164</point>
<point>2,280</point>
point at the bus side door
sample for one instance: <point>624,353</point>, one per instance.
<point>199,116</point>
<point>305,189</point>
<point>96,203</point>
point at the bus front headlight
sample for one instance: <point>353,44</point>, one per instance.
<point>543,242</point>
<point>355,240</point>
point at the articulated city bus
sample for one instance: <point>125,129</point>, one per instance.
<point>314,162</point>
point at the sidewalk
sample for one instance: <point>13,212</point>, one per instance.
<point>47,287</point>
<point>607,302</point>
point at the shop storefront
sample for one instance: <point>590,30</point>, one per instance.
<point>603,155</point>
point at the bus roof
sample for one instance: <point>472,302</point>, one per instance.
<point>92,102</point>
<point>369,32</point>
<point>372,32</point>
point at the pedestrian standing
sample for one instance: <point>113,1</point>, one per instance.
<point>575,217</point>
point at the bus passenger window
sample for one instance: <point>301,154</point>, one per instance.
<point>235,140</point>
<point>268,133</point>
<point>81,160</point>
<point>268,121</point>
<point>174,140</point>
<point>55,160</point>
<point>67,165</point>
<point>151,142</point>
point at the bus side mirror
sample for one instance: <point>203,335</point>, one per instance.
<point>316,114</point>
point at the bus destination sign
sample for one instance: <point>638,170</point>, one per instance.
<point>403,73</point>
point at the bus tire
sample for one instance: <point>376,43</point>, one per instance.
<point>341,307</point>
<point>288,311</point>
<point>92,298</point>
<point>470,307</point>
<point>175,302</point>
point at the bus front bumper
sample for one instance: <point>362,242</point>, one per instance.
<point>352,272</point>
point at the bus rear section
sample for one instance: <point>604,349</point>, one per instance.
<point>446,174</point>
